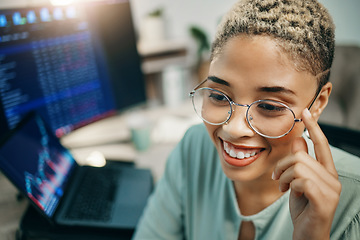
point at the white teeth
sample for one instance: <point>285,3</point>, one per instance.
<point>240,155</point>
<point>237,154</point>
<point>232,153</point>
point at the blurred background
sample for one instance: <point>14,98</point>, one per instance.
<point>173,39</point>
<point>121,92</point>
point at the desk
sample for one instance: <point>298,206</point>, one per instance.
<point>11,209</point>
<point>116,147</point>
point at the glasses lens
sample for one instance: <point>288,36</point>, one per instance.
<point>271,118</point>
<point>211,105</point>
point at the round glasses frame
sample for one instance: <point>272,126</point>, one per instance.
<point>231,103</point>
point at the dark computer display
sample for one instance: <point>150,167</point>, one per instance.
<point>42,168</point>
<point>72,64</point>
<point>112,24</point>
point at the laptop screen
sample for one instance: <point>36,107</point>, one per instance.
<point>35,161</point>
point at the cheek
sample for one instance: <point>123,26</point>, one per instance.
<point>282,147</point>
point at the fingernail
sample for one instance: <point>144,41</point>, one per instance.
<point>307,113</point>
<point>273,176</point>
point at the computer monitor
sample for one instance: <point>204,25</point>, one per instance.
<point>113,25</point>
<point>72,64</point>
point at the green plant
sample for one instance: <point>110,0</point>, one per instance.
<point>156,13</point>
<point>203,44</point>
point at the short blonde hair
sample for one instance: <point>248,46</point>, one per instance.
<point>303,30</point>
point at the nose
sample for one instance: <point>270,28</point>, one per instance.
<point>237,126</point>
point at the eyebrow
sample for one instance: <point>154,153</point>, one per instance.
<point>272,89</point>
<point>218,80</point>
<point>276,89</point>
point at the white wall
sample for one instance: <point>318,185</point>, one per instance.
<point>20,3</point>
<point>346,16</point>
<point>180,14</point>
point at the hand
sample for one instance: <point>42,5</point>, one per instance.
<point>315,188</point>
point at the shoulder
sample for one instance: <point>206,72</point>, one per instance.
<point>196,133</point>
<point>348,168</point>
<point>195,140</point>
<point>346,221</point>
<point>196,158</point>
<point>347,165</point>
<point>193,147</point>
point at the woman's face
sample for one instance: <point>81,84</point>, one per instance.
<point>250,69</point>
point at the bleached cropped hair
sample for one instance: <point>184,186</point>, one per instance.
<point>303,30</point>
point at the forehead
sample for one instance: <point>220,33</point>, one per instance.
<point>250,52</point>
<point>257,60</point>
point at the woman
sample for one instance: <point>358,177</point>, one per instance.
<point>250,173</point>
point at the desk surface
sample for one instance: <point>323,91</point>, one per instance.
<point>11,209</point>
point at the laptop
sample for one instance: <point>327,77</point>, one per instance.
<point>65,193</point>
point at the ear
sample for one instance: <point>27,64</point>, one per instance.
<point>322,100</point>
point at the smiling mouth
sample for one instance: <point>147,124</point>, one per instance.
<point>240,153</point>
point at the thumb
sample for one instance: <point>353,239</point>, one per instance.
<point>299,144</point>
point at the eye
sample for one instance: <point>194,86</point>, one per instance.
<point>272,109</point>
<point>217,98</point>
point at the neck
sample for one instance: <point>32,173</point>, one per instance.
<point>254,196</point>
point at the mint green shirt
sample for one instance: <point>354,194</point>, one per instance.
<point>195,200</point>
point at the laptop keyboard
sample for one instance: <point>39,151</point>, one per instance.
<point>95,196</point>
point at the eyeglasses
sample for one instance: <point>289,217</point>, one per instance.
<point>268,118</point>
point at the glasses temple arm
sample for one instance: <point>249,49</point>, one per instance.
<point>319,89</point>
<point>311,104</point>
<point>199,84</point>
<point>316,96</point>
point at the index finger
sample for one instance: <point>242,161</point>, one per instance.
<point>321,144</point>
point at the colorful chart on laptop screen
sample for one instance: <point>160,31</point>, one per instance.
<point>42,165</point>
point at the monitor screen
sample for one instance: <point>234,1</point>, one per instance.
<point>42,168</point>
<point>73,64</point>
<point>113,25</point>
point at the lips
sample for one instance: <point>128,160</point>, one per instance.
<point>240,156</point>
